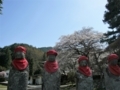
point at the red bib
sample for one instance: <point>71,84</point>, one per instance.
<point>20,64</point>
<point>51,67</point>
<point>114,69</point>
<point>85,70</point>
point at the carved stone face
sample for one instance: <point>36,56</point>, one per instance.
<point>51,57</point>
<point>19,55</point>
<point>83,63</point>
<point>113,62</point>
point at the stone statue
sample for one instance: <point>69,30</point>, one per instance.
<point>19,73</point>
<point>112,73</point>
<point>51,75</point>
<point>84,80</point>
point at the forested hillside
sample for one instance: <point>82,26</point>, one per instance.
<point>35,56</point>
<point>45,49</point>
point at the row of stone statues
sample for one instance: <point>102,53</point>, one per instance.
<point>19,73</point>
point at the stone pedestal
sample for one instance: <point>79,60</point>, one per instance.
<point>112,82</point>
<point>18,80</point>
<point>83,82</point>
<point>51,81</point>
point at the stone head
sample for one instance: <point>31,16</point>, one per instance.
<point>83,61</point>
<point>51,55</point>
<point>20,52</point>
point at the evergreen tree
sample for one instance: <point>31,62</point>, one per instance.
<point>31,67</point>
<point>5,58</point>
<point>44,57</point>
<point>8,58</point>
<point>0,6</point>
<point>41,64</point>
<point>112,17</point>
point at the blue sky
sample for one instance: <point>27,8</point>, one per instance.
<point>40,23</point>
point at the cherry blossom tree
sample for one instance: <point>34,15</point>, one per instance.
<point>81,42</point>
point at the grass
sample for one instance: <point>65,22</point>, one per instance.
<point>3,86</point>
<point>65,87</point>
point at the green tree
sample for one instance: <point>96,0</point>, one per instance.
<point>5,57</point>
<point>31,67</point>
<point>44,57</point>
<point>45,49</point>
<point>40,65</point>
<point>112,17</point>
<point>8,58</point>
<point>1,6</point>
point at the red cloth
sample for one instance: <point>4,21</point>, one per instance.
<point>85,70</point>
<point>113,57</point>
<point>20,64</point>
<point>53,52</point>
<point>82,58</point>
<point>51,67</point>
<point>114,69</point>
<point>20,49</point>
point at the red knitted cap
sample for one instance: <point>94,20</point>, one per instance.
<point>112,57</point>
<point>53,52</point>
<point>20,49</point>
<point>82,58</point>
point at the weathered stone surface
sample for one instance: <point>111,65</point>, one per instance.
<point>34,89</point>
<point>51,81</point>
<point>83,82</point>
<point>18,80</point>
<point>112,82</point>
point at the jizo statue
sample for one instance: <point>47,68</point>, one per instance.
<point>51,75</point>
<point>84,80</point>
<point>112,73</point>
<point>18,76</point>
